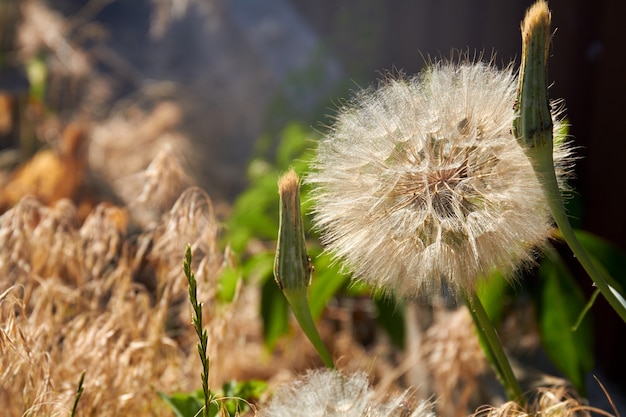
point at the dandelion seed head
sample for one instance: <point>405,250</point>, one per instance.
<point>326,393</point>
<point>421,187</point>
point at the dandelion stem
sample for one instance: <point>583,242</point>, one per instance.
<point>297,299</point>
<point>533,127</point>
<point>493,348</point>
<point>544,168</point>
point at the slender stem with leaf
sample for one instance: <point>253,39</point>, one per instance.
<point>534,128</point>
<point>292,266</point>
<point>493,348</point>
<point>200,331</point>
<point>545,173</point>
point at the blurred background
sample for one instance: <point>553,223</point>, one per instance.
<point>216,75</point>
<point>241,68</point>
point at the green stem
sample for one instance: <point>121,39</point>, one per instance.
<point>544,169</point>
<point>79,393</point>
<point>490,341</point>
<point>534,129</point>
<point>298,300</point>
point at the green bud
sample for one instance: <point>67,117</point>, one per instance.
<point>292,265</point>
<point>533,121</point>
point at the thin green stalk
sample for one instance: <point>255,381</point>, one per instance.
<point>200,331</point>
<point>79,393</point>
<point>533,126</point>
<point>298,301</point>
<point>490,341</point>
<point>544,169</point>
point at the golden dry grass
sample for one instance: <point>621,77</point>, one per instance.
<point>90,299</point>
<point>556,401</point>
<point>92,281</point>
<point>106,296</point>
<point>454,360</point>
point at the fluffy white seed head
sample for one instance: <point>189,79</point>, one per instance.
<point>420,186</point>
<point>326,393</point>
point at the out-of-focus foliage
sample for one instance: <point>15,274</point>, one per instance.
<point>492,293</point>
<point>232,400</point>
<point>560,302</point>
<point>608,257</point>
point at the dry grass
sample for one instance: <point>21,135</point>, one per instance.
<point>91,278</point>
<point>455,361</point>
<point>85,296</point>
<point>90,299</point>
<point>557,401</point>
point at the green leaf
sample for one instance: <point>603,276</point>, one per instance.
<point>391,318</point>
<point>274,312</point>
<point>227,284</point>
<point>293,145</point>
<point>184,404</point>
<point>560,304</point>
<point>37,73</point>
<point>327,281</point>
<point>255,214</point>
<point>189,404</point>
<point>491,293</point>
<point>235,395</point>
<point>259,267</point>
<point>587,308</point>
<point>358,288</point>
<point>609,256</point>
<point>248,390</point>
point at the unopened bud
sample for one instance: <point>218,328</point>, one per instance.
<point>292,266</point>
<point>533,123</point>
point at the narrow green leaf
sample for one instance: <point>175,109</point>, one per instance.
<point>609,261</point>
<point>79,393</point>
<point>608,256</point>
<point>227,284</point>
<point>493,348</point>
<point>274,312</point>
<point>560,304</point>
<point>586,310</point>
<point>327,281</point>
